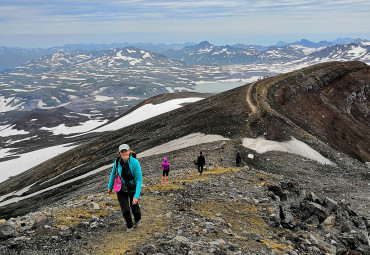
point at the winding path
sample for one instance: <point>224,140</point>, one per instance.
<point>249,99</point>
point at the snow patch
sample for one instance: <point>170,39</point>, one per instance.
<point>261,145</point>
<point>357,52</point>
<point>9,131</point>
<point>146,112</point>
<point>30,159</point>
<point>9,104</point>
<point>181,143</point>
<point>103,98</point>
<point>84,127</point>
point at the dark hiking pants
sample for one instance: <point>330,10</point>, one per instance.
<point>125,202</point>
<point>200,168</point>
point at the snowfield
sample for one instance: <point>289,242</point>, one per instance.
<point>146,112</point>
<point>28,160</point>
<point>261,145</point>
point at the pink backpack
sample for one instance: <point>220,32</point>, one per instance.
<point>117,182</point>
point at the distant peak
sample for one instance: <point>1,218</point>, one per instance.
<point>204,43</point>
<point>281,43</point>
<point>305,40</point>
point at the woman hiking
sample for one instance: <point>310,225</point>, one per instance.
<point>166,169</point>
<point>129,171</point>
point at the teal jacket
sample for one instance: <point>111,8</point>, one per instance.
<point>136,172</point>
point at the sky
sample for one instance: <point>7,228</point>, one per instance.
<point>47,23</point>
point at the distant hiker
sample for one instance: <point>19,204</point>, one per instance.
<point>238,159</point>
<point>129,171</point>
<point>201,161</point>
<point>166,169</point>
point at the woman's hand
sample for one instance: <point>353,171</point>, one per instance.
<point>109,191</point>
<point>134,201</point>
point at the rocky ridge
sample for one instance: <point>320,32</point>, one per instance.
<point>228,210</point>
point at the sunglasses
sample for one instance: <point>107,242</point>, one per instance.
<point>123,151</point>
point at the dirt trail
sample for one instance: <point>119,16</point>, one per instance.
<point>262,88</point>
<point>249,100</point>
<point>161,213</point>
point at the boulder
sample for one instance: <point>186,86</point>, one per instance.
<point>287,218</point>
<point>7,230</point>
<point>40,221</point>
<point>330,205</point>
<point>313,198</point>
<point>94,205</point>
<point>318,210</point>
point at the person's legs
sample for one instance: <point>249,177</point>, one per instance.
<point>125,204</point>
<point>165,173</point>
<point>135,208</point>
<point>200,169</point>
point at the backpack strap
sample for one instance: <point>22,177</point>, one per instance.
<point>117,162</point>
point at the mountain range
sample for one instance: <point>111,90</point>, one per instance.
<point>305,129</point>
<point>301,52</point>
<point>11,57</point>
<point>118,78</point>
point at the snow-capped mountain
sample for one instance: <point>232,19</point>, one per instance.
<point>347,52</point>
<point>206,53</point>
<point>11,57</point>
<point>84,81</point>
<point>114,58</point>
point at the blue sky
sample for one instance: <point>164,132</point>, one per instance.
<point>46,23</point>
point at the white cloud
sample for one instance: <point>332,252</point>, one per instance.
<point>157,21</point>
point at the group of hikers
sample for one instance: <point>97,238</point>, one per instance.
<point>128,170</point>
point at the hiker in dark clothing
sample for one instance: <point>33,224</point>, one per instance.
<point>238,159</point>
<point>201,163</point>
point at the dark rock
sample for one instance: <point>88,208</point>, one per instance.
<point>330,204</point>
<point>313,220</point>
<point>359,222</point>
<point>350,211</point>
<point>318,210</point>
<point>313,198</point>
<point>287,218</point>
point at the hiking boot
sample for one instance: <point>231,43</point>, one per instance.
<point>161,181</point>
<point>129,230</point>
<point>166,181</point>
<point>136,223</point>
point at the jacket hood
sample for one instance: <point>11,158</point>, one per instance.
<point>164,160</point>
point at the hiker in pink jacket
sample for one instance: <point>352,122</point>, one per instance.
<point>166,169</point>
